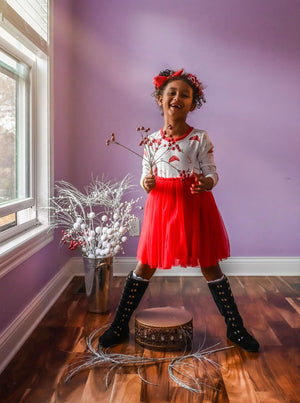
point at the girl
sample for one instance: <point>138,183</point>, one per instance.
<point>182,225</point>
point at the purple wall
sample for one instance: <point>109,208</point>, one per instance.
<point>247,53</point>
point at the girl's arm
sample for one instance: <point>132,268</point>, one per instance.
<point>147,180</point>
<point>207,163</point>
<point>202,184</point>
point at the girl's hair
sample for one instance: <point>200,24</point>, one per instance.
<point>161,82</point>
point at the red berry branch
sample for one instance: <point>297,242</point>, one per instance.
<point>151,147</point>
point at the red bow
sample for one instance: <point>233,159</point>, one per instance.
<point>158,81</point>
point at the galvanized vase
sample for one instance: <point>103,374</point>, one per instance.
<point>98,278</point>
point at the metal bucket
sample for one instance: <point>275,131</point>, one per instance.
<point>98,277</point>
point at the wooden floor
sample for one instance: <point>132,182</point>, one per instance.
<point>270,307</point>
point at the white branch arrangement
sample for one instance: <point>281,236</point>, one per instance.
<point>95,221</point>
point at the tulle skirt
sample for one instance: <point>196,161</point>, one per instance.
<point>181,229</point>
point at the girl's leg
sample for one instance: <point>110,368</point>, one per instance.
<point>134,289</point>
<point>212,273</point>
<point>220,289</point>
<point>144,271</point>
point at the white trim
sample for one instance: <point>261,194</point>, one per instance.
<point>20,52</point>
<point>234,266</point>
<point>15,335</point>
<point>262,266</point>
<point>11,207</point>
<point>20,329</point>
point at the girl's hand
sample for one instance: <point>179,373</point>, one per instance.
<point>149,182</point>
<point>201,184</point>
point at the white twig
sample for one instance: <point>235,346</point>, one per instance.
<point>180,364</point>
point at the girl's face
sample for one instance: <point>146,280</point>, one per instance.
<point>176,100</point>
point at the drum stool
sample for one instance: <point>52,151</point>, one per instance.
<point>164,328</point>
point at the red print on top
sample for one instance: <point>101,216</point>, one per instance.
<point>173,158</point>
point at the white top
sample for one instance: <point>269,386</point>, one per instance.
<point>195,154</point>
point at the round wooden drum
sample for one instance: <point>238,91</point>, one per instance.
<point>164,328</point>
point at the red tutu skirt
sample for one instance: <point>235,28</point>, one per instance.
<point>181,229</point>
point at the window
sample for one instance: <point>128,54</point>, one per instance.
<point>25,135</point>
<point>15,177</point>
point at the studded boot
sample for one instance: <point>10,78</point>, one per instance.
<point>236,331</point>
<point>119,330</point>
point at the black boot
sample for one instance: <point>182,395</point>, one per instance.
<point>132,294</point>
<point>224,300</point>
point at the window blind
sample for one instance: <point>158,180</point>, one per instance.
<point>34,12</point>
<point>29,17</point>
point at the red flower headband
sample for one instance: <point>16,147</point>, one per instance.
<point>159,81</point>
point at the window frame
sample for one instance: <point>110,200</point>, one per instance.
<point>29,201</point>
<point>20,242</point>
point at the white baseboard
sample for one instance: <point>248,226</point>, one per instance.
<point>20,329</point>
<point>262,266</point>
<point>235,266</point>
